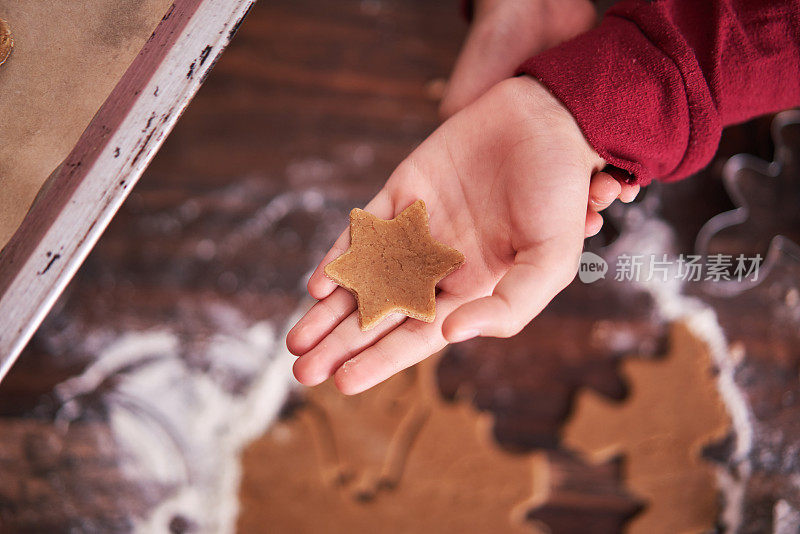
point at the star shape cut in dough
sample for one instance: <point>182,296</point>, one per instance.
<point>393,266</point>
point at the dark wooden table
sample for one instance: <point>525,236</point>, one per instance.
<point>129,407</point>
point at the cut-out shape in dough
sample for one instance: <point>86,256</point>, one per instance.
<point>673,411</point>
<point>397,458</point>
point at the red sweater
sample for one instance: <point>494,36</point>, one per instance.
<point>654,84</point>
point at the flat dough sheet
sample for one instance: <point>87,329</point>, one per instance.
<point>68,56</point>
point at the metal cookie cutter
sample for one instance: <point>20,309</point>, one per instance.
<point>766,220</point>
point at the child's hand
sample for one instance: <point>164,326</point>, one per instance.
<point>503,34</point>
<point>603,190</point>
<point>506,182</point>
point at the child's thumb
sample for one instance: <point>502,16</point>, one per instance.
<point>492,52</point>
<point>501,39</point>
<point>517,298</point>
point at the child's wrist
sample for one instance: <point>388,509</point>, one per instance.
<point>545,102</point>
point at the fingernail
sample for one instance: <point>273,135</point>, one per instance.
<point>464,335</point>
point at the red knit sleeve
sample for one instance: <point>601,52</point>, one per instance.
<point>653,85</point>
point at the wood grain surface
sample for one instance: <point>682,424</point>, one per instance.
<point>304,117</point>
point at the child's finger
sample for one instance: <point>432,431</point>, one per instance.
<point>319,285</point>
<point>490,54</point>
<point>603,190</point>
<point>318,322</point>
<point>536,277</point>
<point>629,192</point>
<point>341,344</point>
<point>594,222</point>
<point>406,345</point>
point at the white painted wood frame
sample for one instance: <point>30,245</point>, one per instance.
<point>82,196</point>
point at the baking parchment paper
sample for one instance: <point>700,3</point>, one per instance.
<point>68,56</point>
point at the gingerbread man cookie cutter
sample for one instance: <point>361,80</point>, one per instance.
<point>766,220</point>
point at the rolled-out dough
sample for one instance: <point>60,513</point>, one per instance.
<point>67,58</point>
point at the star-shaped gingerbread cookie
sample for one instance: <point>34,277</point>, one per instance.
<point>393,266</point>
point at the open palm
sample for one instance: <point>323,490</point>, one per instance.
<point>506,182</point>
